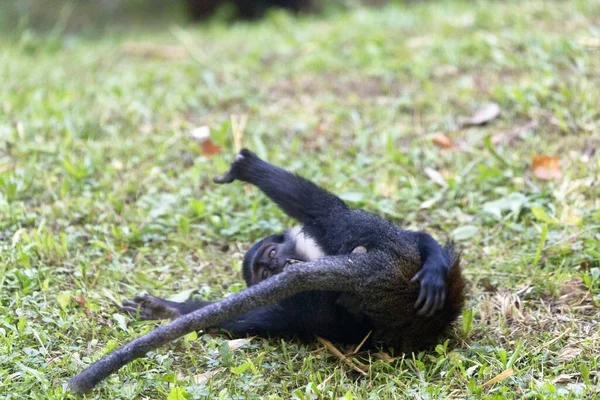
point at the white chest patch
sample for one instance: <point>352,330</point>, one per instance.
<point>305,245</point>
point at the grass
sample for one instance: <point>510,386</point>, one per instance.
<point>104,193</point>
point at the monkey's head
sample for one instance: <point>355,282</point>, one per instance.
<point>269,256</point>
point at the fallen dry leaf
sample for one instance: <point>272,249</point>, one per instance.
<point>442,140</point>
<point>207,375</point>
<point>546,167</point>
<point>384,356</point>
<point>209,148</point>
<point>565,378</point>
<point>80,300</point>
<point>237,343</point>
<point>517,132</point>
<point>436,177</point>
<point>568,353</point>
<point>482,115</point>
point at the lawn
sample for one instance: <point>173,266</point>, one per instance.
<point>106,192</point>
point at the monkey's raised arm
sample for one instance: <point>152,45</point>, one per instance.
<point>337,273</point>
<point>296,196</point>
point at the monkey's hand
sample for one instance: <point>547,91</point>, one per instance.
<point>432,277</point>
<point>239,167</point>
<point>149,307</point>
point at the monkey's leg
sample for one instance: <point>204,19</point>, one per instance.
<point>298,197</point>
<point>304,315</point>
<point>336,273</point>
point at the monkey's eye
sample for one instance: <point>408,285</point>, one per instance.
<point>272,253</point>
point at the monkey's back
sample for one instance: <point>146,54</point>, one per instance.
<point>389,302</point>
<point>394,316</point>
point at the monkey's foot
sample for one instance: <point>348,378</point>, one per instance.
<point>149,307</point>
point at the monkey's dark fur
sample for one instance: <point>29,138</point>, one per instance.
<point>380,282</point>
<point>244,9</point>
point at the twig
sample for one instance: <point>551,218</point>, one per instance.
<point>339,355</point>
<point>361,343</point>
<point>237,128</point>
<point>500,377</point>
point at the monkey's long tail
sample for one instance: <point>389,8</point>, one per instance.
<point>293,280</point>
<point>210,315</point>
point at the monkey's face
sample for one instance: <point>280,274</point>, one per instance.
<point>268,257</point>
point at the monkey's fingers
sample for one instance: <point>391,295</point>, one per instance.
<point>436,297</point>
<point>147,307</point>
<point>238,160</point>
<point>434,304</point>
<point>427,307</point>
<point>225,178</point>
<point>422,292</point>
<point>420,302</point>
<point>442,300</point>
<point>136,311</point>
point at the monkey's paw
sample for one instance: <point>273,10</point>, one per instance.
<point>147,307</point>
<point>432,294</point>
<point>238,167</point>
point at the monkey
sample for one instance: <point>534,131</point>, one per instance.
<point>385,282</point>
<point>330,315</point>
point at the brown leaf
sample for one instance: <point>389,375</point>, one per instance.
<point>546,167</point>
<point>482,115</point>
<point>515,133</point>
<point>568,353</point>
<point>384,356</point>
<point>565,378</point>
<point>237,343</point>
<point>573,292</point>
<point>80,300</point>
<point>442,140</point>
<point>209,148</point>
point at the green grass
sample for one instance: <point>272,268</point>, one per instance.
<point>104,193</point>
